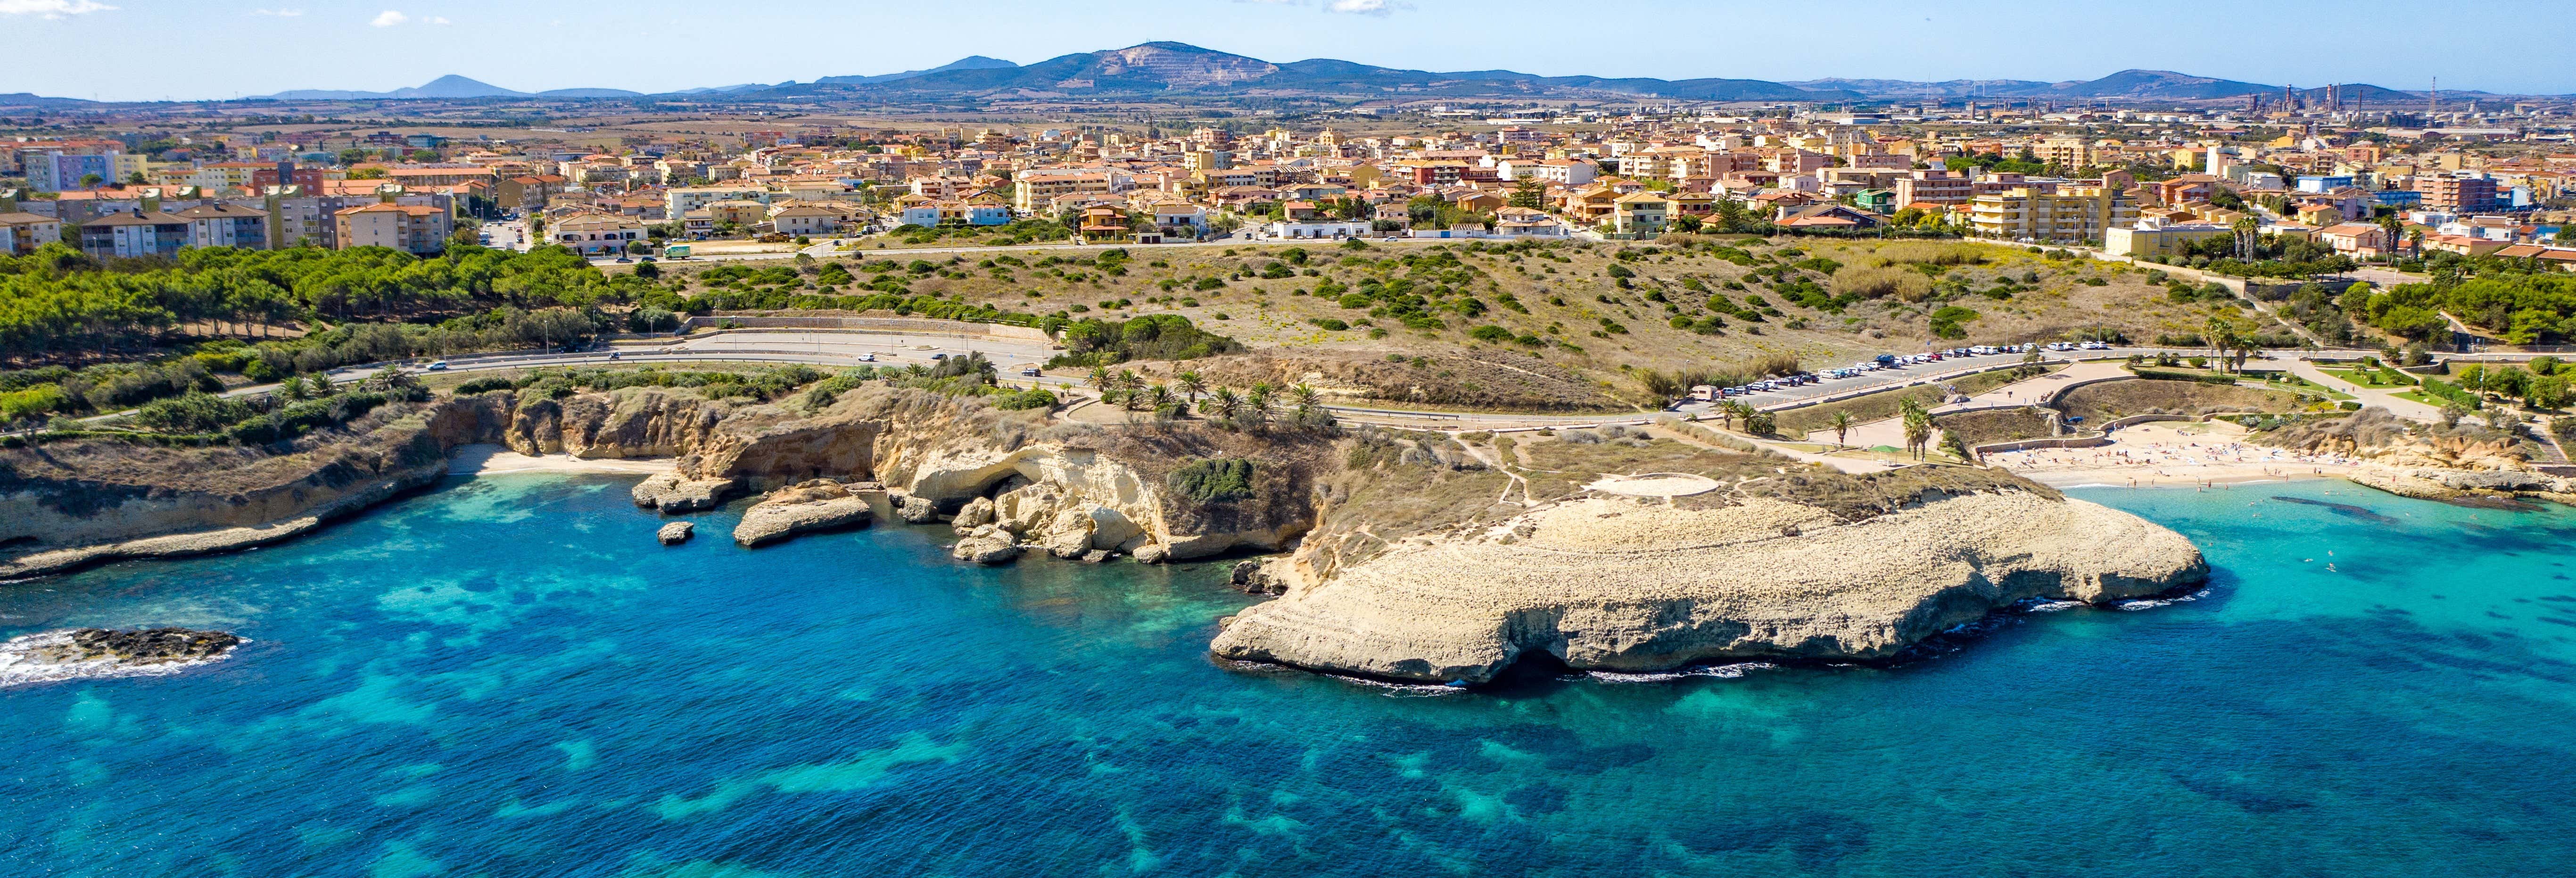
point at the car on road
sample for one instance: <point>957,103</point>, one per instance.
<point>438,366</point>
<point>1029,371</point>
<point>614,354</point>
<point>939,356</point>
<point>867,358</point>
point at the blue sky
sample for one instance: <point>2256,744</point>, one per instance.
<point>151,49</point>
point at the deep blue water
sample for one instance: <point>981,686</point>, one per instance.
<point>507,677</point>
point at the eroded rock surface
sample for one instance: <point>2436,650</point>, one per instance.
<point>1634,585</point>
<point>675,533</point>
<point>986,545</point>
<point>674,494</point>
<point>816,505</point>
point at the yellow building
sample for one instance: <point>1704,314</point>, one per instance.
<point>2158,239</point>
<point>1640,213</point>
<point>2072,214</point>
<point>2069,152</point>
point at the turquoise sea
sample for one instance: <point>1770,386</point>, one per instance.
<point>506,677</point>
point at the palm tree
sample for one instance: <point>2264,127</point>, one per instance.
<point>2245,229</point>
<point>1099,379</point>
<point>1305,395</point>
<point>1257,403</point>
<point>2391,231</point>
<point>2222,335</point>
<point>1223,404</point>
<point>1190,385</point>
<point>1918,425</point>
<point>1842,427</point>
<point>1129,380</point>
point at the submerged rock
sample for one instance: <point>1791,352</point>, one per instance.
<point>821,504</point>
<point>675,533</point>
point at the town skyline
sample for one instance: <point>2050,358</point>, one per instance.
<point>345,46</point>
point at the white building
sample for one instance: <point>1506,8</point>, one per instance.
<point>1318,228</point>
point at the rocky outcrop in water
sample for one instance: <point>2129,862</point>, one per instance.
<point>986,545</point>
<point>1625,584</point>
<point>674,494</point>
<point>807,507</point>
<point>675,533</point>
<point>147,646</point>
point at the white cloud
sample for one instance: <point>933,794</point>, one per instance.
<point>279,13</point>
<point>1352,7</point>
<point>387,18</point>
<point>437,20</point>
<point>52,8</point>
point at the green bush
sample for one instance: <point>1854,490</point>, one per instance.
<point>1213,480</point>
<point>196,412</point>
<point>1024,399</point>
<point>485,384</point>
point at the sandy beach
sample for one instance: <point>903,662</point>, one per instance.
<point>2171,455</point>
<point>491,459</point>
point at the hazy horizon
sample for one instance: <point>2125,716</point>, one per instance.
<point>656,46</point>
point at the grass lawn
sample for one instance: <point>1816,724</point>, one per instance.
<point>2295,382</point>
<point>2372,377</point>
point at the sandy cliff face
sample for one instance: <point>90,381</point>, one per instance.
<point>1629,584</point>
<point>72,503</point>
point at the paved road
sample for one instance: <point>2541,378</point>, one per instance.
<point>852,348</point>
<point>866,248</point>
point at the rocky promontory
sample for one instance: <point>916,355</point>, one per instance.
<point>1729,557</point>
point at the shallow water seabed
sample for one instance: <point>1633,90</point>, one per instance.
<point>506,676</point>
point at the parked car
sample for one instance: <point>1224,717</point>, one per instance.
<point>438,366</point>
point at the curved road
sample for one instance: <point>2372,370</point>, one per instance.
<point>841,348</point>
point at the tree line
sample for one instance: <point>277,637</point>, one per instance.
<point>58,301</point>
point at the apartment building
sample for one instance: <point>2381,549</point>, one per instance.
<point>1935,187</point>
<point>2158,238</point>
<point>416,229</point>
<point>2068,152</point>
<point>2072,214</point>
<point>2458,194</point>
<point>805,219</point>
<point>680,200</point>
<point>1563,172</point>
<point>22,233</point>
<point>132,235</point>
<point>1640,213</point>
<point>527,192</point>
<point>225,225</point>
<point>595,233</point>
<point>1037,187</point>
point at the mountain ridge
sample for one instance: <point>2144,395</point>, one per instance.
<point>1176,69</point>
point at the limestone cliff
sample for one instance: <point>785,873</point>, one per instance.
<point>1462,579</point>
<point>72,503</point>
